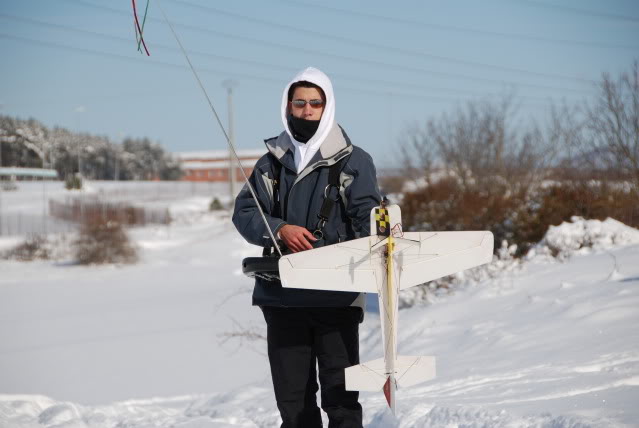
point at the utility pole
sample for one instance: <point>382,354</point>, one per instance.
<point>116,175</point>
<point>1,107</point>
<point>1,183</point>
<point>78,111</point>
<point>1,180</point>
<point>80,156</point>
<point>229,84</point>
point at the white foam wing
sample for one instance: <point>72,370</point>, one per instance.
<point>349,266</point>
<point>424,256</point>
<point>358,265</point>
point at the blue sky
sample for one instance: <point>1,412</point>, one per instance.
<point>73,63</point>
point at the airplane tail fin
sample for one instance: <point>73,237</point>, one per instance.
<point>372,375</point>
<point>369,376</point>
<point>411,370</point>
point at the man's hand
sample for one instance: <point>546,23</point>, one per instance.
<point>296,238</point>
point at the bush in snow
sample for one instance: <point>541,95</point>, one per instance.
<point>73,182</point>
<point>103,241</point>
<point>8,186</point>
<point>33,248</point>
<point>521,219</point>
<point>562,201</point>
<point>215,205</point>
<point>40,247</point>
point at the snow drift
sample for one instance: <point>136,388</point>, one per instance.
<point>544,342</point>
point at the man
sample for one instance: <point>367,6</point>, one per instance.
<point>309,327</point>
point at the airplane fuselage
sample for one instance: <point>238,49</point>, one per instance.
<point>388,313</point>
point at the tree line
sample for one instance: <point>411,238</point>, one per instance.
<point>482,167</point>
<point>28,143</point>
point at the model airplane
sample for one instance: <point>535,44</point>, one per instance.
<point>386,262</point>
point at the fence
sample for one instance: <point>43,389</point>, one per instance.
<point>20,224</point>
<point>64,217</point>
<point>155,191</point>
<point>46,207</point>
<point>78,210</point>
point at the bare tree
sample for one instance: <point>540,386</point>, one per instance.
<point>417,152</point>
<point>479,146</point>
<point>472,142</point>
<point>613,125</point>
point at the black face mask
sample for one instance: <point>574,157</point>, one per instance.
<point>302,129</point>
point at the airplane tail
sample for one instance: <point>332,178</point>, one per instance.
<point>373,375</point>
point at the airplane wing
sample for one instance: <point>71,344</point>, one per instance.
<point>348,266</point>
<point>424,256</point>
<point>358,265</point>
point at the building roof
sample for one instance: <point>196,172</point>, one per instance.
<point>192,165</point>
<point>28,172</point>
<point>220,154</point>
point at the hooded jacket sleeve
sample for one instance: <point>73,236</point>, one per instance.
<point>362,195</point>
<point>246,216</point>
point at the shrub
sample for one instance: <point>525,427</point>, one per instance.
<point>73,182</point>
<point>33,248</point>
<point>119,212</point>
<point>103,241</point>
<point>447,206</point>
<point>590,200</point>
<point>8,186</point>
<point>215,205</point>
<point>521,219</point>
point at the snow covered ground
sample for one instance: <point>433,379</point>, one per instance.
<point>552,343</point>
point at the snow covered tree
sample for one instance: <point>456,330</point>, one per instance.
<point>28,143</point>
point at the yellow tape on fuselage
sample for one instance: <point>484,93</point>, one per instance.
<point>382,221</point>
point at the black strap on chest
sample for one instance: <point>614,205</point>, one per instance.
<point>331,193</point>
<point>331,196</point>
<point>277,171</point>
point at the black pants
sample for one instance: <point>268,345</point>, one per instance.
<point>297,339</point>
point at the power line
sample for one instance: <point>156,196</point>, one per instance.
<point>452,28</point>
<point>216,71</point>
<point>348,58</point>
<point>580,11</point>
<point>393,49</point>
<point>249,62</point>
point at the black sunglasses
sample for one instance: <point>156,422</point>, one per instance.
<point>313,103</point>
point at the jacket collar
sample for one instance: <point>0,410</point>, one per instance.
<point>333,149</point>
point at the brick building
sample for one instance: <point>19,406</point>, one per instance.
<point>213,165</point>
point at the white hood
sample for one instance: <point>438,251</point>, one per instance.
<point>305,152</point>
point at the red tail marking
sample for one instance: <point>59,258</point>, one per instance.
<point>387,391</point>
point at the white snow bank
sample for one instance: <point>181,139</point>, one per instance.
<point>581,236</point>
<point>251,407</point>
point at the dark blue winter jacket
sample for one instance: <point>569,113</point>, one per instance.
<point>301,196</point>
